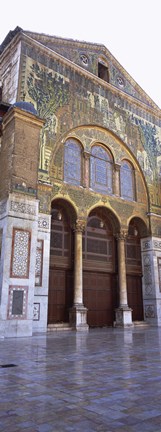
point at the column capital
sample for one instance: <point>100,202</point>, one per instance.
<point>117,166</point>
<point>122,235</point>
<point>79,225</point>
<point>86,155</point>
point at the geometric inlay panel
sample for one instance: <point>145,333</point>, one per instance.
<point>20,253</point>
<point>36,312</point>
<point>39,263</point>
<point>17,302</point>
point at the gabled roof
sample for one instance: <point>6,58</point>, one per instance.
<point>72,50</point>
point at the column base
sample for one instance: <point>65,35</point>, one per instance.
<point>78,318</point>
<point>123,317</point>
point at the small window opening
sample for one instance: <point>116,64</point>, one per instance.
<point>103,72</point>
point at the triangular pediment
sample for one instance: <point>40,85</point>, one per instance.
<point>88,55</point>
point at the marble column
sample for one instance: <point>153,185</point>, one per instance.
<point>78,313</point>
<point>117,179</point>
<point>123,312</point>
<point>86,169</point>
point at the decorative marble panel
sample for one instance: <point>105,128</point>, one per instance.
<point>149,311</point>
<point>159,272</point>
<point>43,223</point>
<point>20,253</point>
<point>146,244</point>
<point>148,275</point>
<point>3,206</point>
<point>36,312</point>
<point>39,263</point>
<point>1,234</point>
<point>22,207</point>
<point>17,302</point>
<point>157,244</point>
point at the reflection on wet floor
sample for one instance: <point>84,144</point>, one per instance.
<point>102,381</point>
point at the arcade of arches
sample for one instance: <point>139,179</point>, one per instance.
<point>95,268</point>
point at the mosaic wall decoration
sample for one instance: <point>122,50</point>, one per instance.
<point>36,312</point>
<point>17,302</point>
<point>39,263</point>
<point>20,253</point>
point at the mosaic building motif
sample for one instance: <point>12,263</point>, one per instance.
<point>20,254</point>
<point>17,302</point>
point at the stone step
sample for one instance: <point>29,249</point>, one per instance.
<point>58,327</point>
<point>141,323</point>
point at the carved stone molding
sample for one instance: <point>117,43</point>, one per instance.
<point>22,207</point>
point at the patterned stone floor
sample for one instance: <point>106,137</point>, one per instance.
<point>104,381</point>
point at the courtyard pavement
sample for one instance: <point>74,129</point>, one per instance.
<point>102,381</point>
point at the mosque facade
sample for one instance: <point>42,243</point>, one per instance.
<point>80,189</point>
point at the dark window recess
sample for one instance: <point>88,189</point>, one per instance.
<point>103,72</point>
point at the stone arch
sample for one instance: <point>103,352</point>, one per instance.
<point>106,212</point>
<point>139,225</point>
<point>66,205</point>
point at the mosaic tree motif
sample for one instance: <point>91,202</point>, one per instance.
<point>48,90</point>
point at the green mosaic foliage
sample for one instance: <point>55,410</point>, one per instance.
<point>48,91</point>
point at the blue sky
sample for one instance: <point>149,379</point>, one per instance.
<point>129,29</point>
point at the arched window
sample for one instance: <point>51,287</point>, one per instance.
<point>72,162</point>
<point>101,170</point>
<point>127,181</point>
